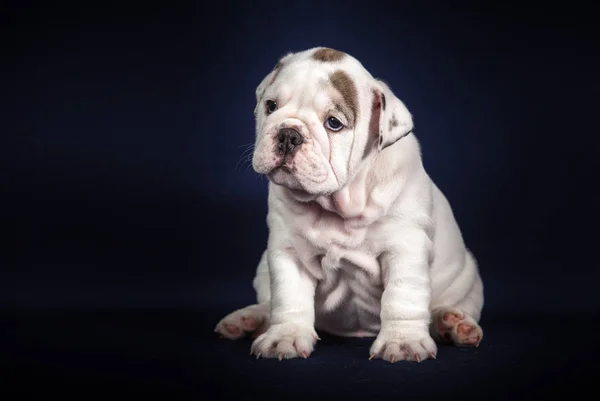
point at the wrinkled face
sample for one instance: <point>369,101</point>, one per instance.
<point>318,114</point>
<point>307,117</point>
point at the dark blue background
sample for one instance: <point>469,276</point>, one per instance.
<point>131,227</point>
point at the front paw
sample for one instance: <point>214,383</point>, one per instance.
<point>285,340</point>
<point>397,344</point>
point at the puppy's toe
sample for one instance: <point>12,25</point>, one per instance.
<point>450,318</point>
<point>467,334</point>
<point>452,326</point>
<point>250,323</point>
<point>230,329</point>
<point>252,319</point>
<point>285,341</point>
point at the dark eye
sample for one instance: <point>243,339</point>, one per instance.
<point>334,124</point>
<point>271,106</point>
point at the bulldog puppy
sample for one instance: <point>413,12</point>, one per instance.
<point>361,241</point>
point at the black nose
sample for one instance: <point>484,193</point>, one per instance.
<point>288,139</point>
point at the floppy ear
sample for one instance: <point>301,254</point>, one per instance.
<point>395,121</point>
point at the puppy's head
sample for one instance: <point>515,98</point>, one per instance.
<point>319,115</point>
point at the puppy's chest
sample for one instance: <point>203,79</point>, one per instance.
<point>322,230</point>
<point>326,244</point>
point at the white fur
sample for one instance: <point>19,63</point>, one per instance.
<point>361,241</point>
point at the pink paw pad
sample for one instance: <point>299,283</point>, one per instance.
<point>451,318</point>
<point>455,327</point>
<point>250,323</point>
<point>464,329</point>
<point>233,329</point>
<point>447,323</point>
<point>468,334</point>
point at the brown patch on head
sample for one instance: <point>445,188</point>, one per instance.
<point>342,82</point>
<point>328,55</point>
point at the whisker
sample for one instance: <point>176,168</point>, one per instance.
<point>245,156</point>
<point>247,144</point>
<point>249,166</point>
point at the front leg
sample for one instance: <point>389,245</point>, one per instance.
<point>405,301</point>
<point>291,333</point>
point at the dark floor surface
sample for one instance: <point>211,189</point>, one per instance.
<point>175,352</point>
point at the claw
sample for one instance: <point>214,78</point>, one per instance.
<point>280,357</point>
<point>304,354</point>
<point>418,358</point>
<point>432,355</point>
<point>371,357</point>
<point>258,355</point>
<point>393,359</point>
